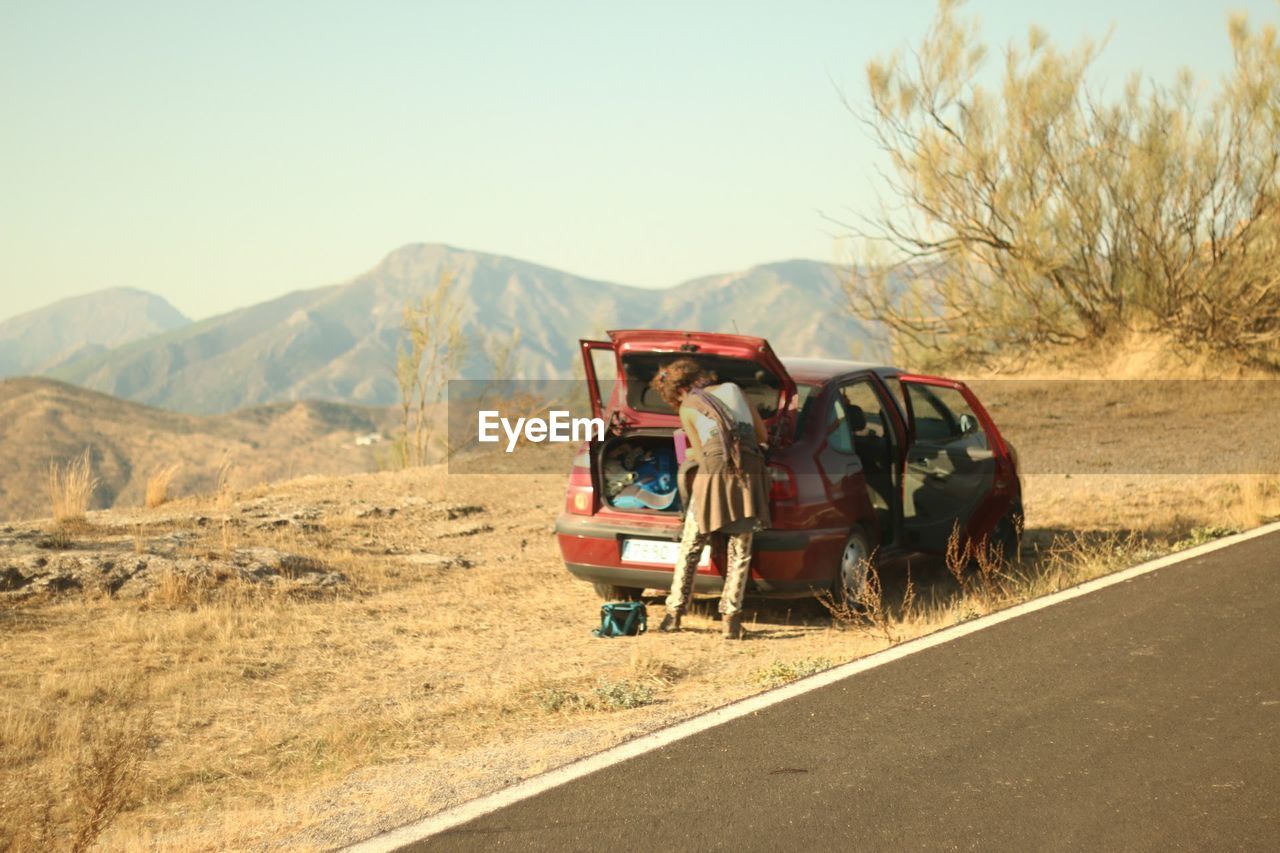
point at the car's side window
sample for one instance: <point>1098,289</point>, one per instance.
<point>943,417</point>
<point>604,362</point>
<point>864,406</point>
<point>894,384</point>
<point>838,436</point>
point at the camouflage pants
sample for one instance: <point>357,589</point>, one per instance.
<point>692,541</point>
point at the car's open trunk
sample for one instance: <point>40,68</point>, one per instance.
<point>637,472</point>
<point>638,355</point>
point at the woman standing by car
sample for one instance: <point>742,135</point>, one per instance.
<point>729,495</point>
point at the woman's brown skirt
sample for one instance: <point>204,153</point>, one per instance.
<point>722,501</point>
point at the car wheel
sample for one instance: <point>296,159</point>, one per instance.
<point>609,592</point>
<point>855,559</point>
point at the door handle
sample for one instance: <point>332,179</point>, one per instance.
<point>931,472</point>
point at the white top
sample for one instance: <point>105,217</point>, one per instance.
<point>734,400</point>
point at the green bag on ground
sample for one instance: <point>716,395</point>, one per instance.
<point>622,619</point>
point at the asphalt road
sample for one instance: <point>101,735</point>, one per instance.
<point>1144,716</point>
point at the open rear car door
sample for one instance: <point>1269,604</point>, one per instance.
<point>957,472</point>
<point>592,352</point>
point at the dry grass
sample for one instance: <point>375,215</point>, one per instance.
<point>71,489</point>
<point>983,580</point>
<point>251,712</point>
<point>222,484</point>
<point>1252,500</point>
<point>158,484</point>
<point>100,747</point>
<point>871,608</point>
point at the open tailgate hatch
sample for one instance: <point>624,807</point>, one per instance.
<point>749,362</point>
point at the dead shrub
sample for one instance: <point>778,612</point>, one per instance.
<point>990,574</point>
<point>158,486</point>
<point>59,538</point>
<point>1074,559</point>
<point>868,610</point>
<point>1254,500</point>
<point>71,488</point>
<point>978,569</point>
<point>958,556</point>
<point>107,775</point>
<point>177,590</point>
<point>646,666</point>
<point>63,796</point>
<point>223,487</point>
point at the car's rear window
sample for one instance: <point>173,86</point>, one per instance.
<point>762,387</point>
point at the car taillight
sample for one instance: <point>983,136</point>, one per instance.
<point>782,483</point>
<point>580,498</point>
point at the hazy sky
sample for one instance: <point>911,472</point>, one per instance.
<point>222,153</point>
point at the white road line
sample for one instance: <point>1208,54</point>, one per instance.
<point>464,812</point>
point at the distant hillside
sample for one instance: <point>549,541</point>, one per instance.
<point>82,326</point>
<point>799,305</point>
<point>42,420</point>
<point>338,342</point>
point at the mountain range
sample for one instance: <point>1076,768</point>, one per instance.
<point>338,342</point>
<point>82,328</point>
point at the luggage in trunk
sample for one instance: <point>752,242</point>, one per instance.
<point>638,473</point>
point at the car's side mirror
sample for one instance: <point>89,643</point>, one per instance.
<point>968,424</point>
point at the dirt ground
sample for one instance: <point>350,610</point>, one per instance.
<point>358,652</point>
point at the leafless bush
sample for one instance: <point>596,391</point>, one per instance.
<point>868,609</point>
<point>108,774</point>
<point>66,802</point>
<point>958,556</point>
<point>991,579</point>
<point>433,350</point>
<point>978,568</point>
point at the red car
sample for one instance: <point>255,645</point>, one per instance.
<point>863,460</point>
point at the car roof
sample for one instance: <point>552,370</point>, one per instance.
<point>816,370</point>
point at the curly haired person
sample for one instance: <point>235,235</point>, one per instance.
<point>729,495</point>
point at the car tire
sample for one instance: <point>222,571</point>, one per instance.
<point>609,592</point>
<point>850,582</point>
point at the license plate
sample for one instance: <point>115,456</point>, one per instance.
<point>657,551</point>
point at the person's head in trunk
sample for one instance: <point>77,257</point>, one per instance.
<point>675,379</point>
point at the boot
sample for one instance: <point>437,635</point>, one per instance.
<point>732,627</point>
<point>670,622</point>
